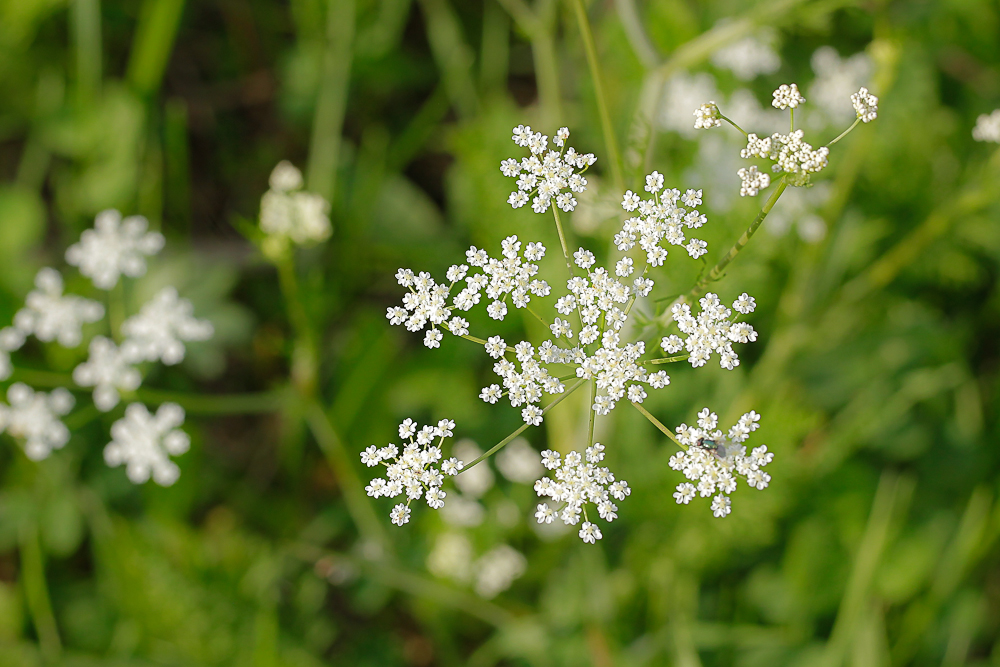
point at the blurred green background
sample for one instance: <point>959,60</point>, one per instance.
<point>876,371</point>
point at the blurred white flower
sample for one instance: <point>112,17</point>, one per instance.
<point>749,57</point>
<point>11,339</point>
<point>497,569</point>
<point>50,315</point>
<point>681,94</point>
<point>451,557</point>
<point>144,442</point>
<point>287,211</point>
<point>114,247</point>
<point>988,127</point>
<point>160,329</point>
<point>34,417</point>
<point>519,462</point>
<point>108,370</point>
<point>836,79</point>
<point>477,480</point>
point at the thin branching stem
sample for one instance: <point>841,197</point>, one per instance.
<point>562,239</point>
<point>845,132</point>
<point>503,443</point>
<point>602,106</point>
<point>658,424</point>
<point>668,360</point>
<point>730,121</point>
<point>593,413</point>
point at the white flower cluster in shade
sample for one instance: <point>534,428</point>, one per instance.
<point>34,417</point>
<point>714,460</point>
<point>545,175</point>
<point>412,471</point>
<point>287,211</point>
<point>663,216</point>
<point>162,326</point>
<point>114,247</point>
<point>748,57</point>
<point>51,315</point>
<point>865,105</point>
<point>579,481</point>
<point>711,331</point>
<point>144,443</point>
<point>707,116</point>
<point>987,127</point>
<point>492,573</point>
<point>787,97</point>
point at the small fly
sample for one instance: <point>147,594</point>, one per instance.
<point>716,448</point>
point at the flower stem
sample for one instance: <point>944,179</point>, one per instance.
<point>562,240</point>
<point>537,316</point>
<point>503,443</point>
<point>845,132</point>
<point>116,309</point>
<point>668,360</point>
<point>602,106</point>
<point>728,120</point>
<point>717,270</point>
<point>791,119</point>
<point>353,490</point>
<point>656,422</point>
<point>593,413</point>
<point>37,593</point>
<point>304,357</point>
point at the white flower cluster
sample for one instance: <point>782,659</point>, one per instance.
<point>546,174</point>
<point>579,480</point>
<point>413,470</point>
<point>664,216</point>
<point>790,153</point>
<point>988,127</point>
<point>34,417</point>
<point>144,442</point>
<point>711,331</point>
<point>114,247</point>
<point>865,104</point>
<point>752,181</point>
<point>286,211</point>
<point>707,116</point>
<point>51,315</point>
<point>715,460</point>
<point>787,97</point>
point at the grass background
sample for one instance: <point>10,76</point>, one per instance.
<point>876,371</point>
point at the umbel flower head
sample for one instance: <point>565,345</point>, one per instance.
<point>114,247</point>
<point>51,315</point>
<point>161,328</point>
<point>144,443</point>
<point>34,417</point>
<point>988,127</point>
<point>108,370</point>
<point>715,460</point>
<point>579,481</point>
<point>413,470</point>
<point>545,175</point>
<point>286,211</point>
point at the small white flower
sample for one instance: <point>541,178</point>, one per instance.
<point>495,347</point>
<point>400,514</point>
<point>624,267</point>
<point>143,442</point>
<point>114,247</point>
<point>988,127</point>
<point>744,304</point>
<point>753,181</point>
<point>584,258</point>
<point>532,415</point>
<point>721,506</point>
<point>108,371</point>
<point>707,116</point>
<point>544,514</point>
<point>50,315</point>
<point>630,201</point>
<point>432,338</point>
<point>865,105</point>
<point>34,417</point>
<point>286,211</point>
<point>491,394</point>
<point>590,533</point>
<point>787,96</point>
<point>684,493</point>
<point>162,327</point>
<point>654,182</point>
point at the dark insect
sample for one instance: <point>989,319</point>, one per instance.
<point>716,448</point>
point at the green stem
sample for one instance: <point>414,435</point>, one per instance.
<point>304,357</point>
<point>86,25</point>
<point>358,507</point>
<point>733,124</point>
<point>845,132</point>
<point>656,422</point>
<point>562,239</point>
<point>717,270</point>
<point>116,309</point>
<point>474,339</point>
<point>593,413</point>
<point>602,107</point>
<point>503,443</point>
<point>331,103</point>
<point>537,316</point>
<point>791,119</point>
<point>37,593</point>
<point>668,360</point>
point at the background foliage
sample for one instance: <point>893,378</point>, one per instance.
<point>876,371</point>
